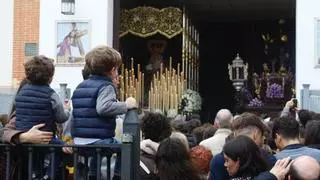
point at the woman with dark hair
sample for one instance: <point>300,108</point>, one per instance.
<point>173,161</point>
<point>243,159</point>
<point>312,134</point>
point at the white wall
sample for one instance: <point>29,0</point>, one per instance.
<point>306,73</point>
<point>6,36</point>
<point>98,12</point>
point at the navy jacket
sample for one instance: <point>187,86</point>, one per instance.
<point>33,106</point>
<point>86,122</point>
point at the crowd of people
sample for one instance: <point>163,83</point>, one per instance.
<point>242,146</point>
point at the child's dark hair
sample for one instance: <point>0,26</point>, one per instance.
<point>102,59</point>
<point>39,70</point>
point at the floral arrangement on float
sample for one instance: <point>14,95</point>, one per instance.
<point>190,102</point>
<point>256,102</point>
<point>274,91</point>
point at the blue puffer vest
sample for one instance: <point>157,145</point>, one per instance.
<point>87,123</point>
<point>33,106</point>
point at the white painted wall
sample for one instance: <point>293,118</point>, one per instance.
<point>98,12</point>
<point>6,36</point>
<point>306,73</point>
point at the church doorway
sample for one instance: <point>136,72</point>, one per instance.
<point>227,28</point>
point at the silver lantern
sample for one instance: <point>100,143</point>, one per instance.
<point>238,73</point>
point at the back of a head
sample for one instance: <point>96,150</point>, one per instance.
<point>179,125</point>
<point>198,133</point>
<point>304,116</point>
<point>173,161</point>
<point>201,158</point>
<point>285,126</point>
<point>304,168</point>
<point>155,126</point>
<point>209,131</point>
<point>312,133</point>
<point>102,59</point>
<point>180,136</point>
<point>316,116</point>
<point>245,150</point>
<point>192,124</point>
<point>247,120</point>
<point>224,118</point>
<point>39,70</point>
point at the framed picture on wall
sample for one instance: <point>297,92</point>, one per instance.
<point>72,42</point>
<point>317,43</point>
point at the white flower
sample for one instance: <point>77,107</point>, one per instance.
<point>171,113</point>
<point>190,102</point>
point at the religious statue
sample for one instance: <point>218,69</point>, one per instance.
<point>156,48</point>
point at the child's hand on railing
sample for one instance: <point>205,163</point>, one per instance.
<point>131,103</point>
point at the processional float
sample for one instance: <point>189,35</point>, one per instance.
<point>168,83</point>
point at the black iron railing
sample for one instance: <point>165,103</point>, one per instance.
<point>18,162</point>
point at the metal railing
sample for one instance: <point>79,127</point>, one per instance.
<point>310,98</point>
<point>17,162</point>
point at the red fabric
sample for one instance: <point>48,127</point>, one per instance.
<point>201,158</point>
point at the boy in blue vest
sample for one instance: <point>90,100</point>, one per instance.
<point>95,105</point>
<point>37,103</point>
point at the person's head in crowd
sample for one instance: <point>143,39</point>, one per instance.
<point>316,116</point>
<point>155,126</point>
<point>173,161</point>
<point>179,125</point>
<point>250,125</point>
<point>86,72</point>
<point>312,133</point>
<point>103,61</point>
<point>39,70</point>
<point>192,124</point>
<point>223,119</point>
<point>243,158</point>
<point>22,83</point>
<point>269,139</point>
<point>285,130</point>
<point>181,137</point>
<point>239,110</point>
<point>301,134</point>
<point>304,167</point>
<point>209,131</point>
<point>198,133</point>
<point>304,116</point>
<point>201,157</point>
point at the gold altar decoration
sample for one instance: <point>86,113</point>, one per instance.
<point>167,88</point>
<point>190,52</point>
<point>147,21</point>
<point>130,84</point>
<point>170,21</point>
